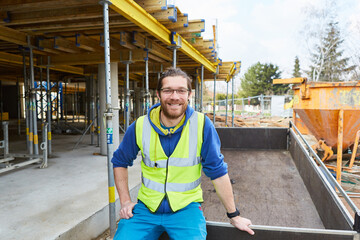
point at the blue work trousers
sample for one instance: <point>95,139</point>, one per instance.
<point>188,223</point>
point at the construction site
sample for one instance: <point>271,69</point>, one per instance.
<point>75,74</point>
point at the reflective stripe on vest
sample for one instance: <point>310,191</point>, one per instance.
<point>170,187</point>
<point>192,160</point>
<point>189,161</point>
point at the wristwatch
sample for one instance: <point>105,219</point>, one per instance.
<point>233,214</point>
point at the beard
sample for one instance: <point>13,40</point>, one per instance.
<point>173,113</point>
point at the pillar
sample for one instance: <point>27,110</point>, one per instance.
<point>114,104</point>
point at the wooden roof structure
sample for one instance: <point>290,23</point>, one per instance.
<point>67,36</point>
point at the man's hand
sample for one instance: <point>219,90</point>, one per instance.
<point>126,210</point>
<point>242,224</point>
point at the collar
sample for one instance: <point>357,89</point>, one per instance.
<point>155,119</point>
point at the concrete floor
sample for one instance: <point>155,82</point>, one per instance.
<point>67,200</point>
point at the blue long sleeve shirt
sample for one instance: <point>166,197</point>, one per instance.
<point>212,160</point>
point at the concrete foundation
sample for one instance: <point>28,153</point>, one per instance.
<point>67,200</point>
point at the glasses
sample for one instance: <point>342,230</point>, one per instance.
<point>168,91</point>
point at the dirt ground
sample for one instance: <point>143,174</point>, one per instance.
<point>268,189</point>
<point>252,121</point>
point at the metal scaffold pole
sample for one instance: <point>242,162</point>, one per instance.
<point>18,105</point>
<point>109,115</point>
<point>41,100</point>
<point>73,104</point>
<point>124,103</point>
<point>62,100</point>
<point>87,105</point>
<point>201,89</point>
<point>77,102</point>
<point>196,94</point>
<point>214,98</point>
<point>1,102</point>
<point>232,103</point>
<point>127,101</point>
<point>65,101</point>
<point>26,102</point>
<point>147,94</point>
<point>32,100</point>
<point>174,57</point>
<point>29,135</point>
<point>92,108</point>
<point>98,120</point>
<point>6,138</point>
<point>48,94</point>
<point>226,103</point>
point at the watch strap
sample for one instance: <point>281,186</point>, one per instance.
<point>233,214</point>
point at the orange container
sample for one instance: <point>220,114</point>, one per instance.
<point>318,104</point>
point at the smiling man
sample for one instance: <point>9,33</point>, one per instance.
<point>175,143</point>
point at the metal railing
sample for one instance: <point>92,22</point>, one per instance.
<point>330,178</point>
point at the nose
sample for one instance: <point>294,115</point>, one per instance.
<point>174,94</point>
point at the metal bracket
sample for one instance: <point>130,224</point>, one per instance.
<point>133,35</point>
<point>147,54</point>
<point>55,46</point>
<point>102,40</point>
<point>148,45</point>
<point>105,1</point>
<point>129,61</point>
<point>108,114</point>
<point>43,146</point>
<point>76,39</point>
<point>108,111</point>
<point>304,90</point>
<point>38,39</point>
<point>177,44</point>
<point>122,38</point>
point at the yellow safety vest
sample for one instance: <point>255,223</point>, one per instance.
<point>177,177</point>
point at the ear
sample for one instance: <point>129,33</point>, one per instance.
<point>190,94</point>
<point>158,94</point>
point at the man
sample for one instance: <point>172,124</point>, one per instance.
<point>175,143</point>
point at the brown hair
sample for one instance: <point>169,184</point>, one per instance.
<point>174,72</point>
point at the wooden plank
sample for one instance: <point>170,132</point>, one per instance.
<point>56,14</point>
<point>182,21</point>
<point>124,39</point>
<point>28,5</point>
<point>193,27</point>
<point>96,58</point>
<point>168,15</point>
<point>136,14</point>
<point>13,36</point>
<point>152,6</point>
<point>60,44</point>
<point>87,43</point>
<point>142,41</point>
<point>17,59</point>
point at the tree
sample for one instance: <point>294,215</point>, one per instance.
<point>220,96</point>
<point>258,80</point>
<point>297,72</point>
<point>328,64</point>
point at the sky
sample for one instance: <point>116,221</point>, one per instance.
<point>268,31</point>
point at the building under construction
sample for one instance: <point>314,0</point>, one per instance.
<point>75,74</point>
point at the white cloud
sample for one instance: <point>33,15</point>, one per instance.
<point>265,31</point>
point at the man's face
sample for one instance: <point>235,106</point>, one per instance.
<point>174,103</point>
